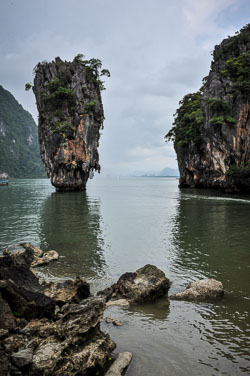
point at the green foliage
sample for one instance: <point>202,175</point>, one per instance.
<point>229,119</point>
<point>188,121</point>
<point>16,314</point>
<point>59,95</point>
<point>28,86</point>
<point>231,45</point>
<point>218,105</point>
<point>238,69</point>
<point>217,120</point>
<point>93,70</point>
<point>79,58</point>
<point>220,112</point>
<point>90,106</point>
<point>105,72</point>
<point>238,172</point>
<point>19,158</point>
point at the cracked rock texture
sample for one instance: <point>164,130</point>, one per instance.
<point>221,156</point>
<point>39,337</point>
<point>70,118</point>
<point>146,284</point>
<point>205,289</point>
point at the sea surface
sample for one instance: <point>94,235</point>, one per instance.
<point>119,225</point>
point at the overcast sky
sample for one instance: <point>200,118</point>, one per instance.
<point>156,50</point>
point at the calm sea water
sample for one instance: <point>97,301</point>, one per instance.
<point>119,225</point>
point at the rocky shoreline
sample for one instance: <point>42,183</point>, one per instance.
<point>54,328</point>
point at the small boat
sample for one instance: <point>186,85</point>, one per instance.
<point>4,179</point>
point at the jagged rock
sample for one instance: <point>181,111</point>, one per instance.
<point>75,343</point>
<point>19,274</point>
<point>26,303</point>
<point>51,256</point>
<point>37,251</point>
<point>22,358</point>
<point>7,320</point>
<point>23,257</point>
<point>118,302</point>
<point>46,258</point>
<point>6,252</point>
<point>68,291</point>
<point>146,284</point>
<point>36,339</point>
<point>70,118</point>
<point>3,332</point>
<point>120,365</point>
<point>32,256</point>
<point>115,322</point>
<point>205,289</point>
<point>211,131</point>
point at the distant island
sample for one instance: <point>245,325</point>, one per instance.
<point>19,156</point>
<point>165,172</point>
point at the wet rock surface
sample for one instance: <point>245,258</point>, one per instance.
<point>120,365</point>
<point>44,335</point>
<point>68,291</point>
<point>205,289</point>
<point>70,118</point>
<point>146,284</point>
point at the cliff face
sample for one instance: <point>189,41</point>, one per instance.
<point>70,118</point>
<point>211,130</point>
<point>19,149</point>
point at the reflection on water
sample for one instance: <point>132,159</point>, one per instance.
<point>71,224</point>
<point>211,238</point>
<point>120,225</point>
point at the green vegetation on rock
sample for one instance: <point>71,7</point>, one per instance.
<point>238,69</point>
<point>242,171</point>
<point>19,155</point>
<point>188,121</point>
<point>220,112</point>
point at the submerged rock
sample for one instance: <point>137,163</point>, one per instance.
<point>30,247</point>
<point>45,259</point>
<point>146,284</point>
<point>115,322</point>
<point>120,364</point>
<point>118,302</point>
<point>68,96</point>
<point>32,256</point>
<point>205,289</point>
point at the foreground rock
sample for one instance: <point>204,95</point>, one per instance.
<point>31,255</point>
<point>118,368</point>
<point>48,335</point>
<point>68,97</point>
<point>68,291</point>
<point>146,284</point>
<point>205,289</point>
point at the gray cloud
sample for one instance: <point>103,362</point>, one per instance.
<point>157,51</point>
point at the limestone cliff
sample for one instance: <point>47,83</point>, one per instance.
<point>70,118</point>
<point>19,148</point>
<point>211,131</point>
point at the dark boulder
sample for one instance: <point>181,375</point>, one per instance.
<point>146,284</point>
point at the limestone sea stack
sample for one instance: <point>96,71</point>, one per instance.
<point>68,97</point>
<point>211,131</point>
